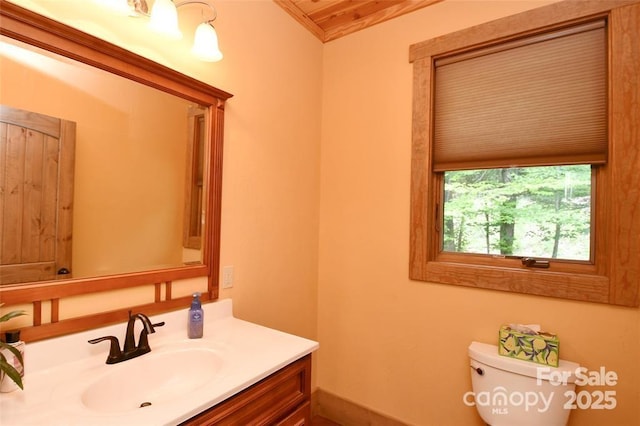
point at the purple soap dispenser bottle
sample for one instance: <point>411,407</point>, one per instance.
<point>196,318</point>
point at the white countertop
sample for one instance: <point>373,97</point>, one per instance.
<point>58,370</point>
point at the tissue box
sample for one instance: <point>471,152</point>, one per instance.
<point>529,345</point>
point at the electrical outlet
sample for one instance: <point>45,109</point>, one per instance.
<point>227,277</point>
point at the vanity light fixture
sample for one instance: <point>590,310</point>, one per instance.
<point>163,19</point>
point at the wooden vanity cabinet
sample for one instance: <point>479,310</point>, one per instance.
<point>283,399</point>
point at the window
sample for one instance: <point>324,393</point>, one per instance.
<point>556,104</point>
<point>527,212</point>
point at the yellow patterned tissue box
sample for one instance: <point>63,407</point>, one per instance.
<point>528,344</point>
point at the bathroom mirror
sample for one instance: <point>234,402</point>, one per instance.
<point>127,171</point>
<point>135,136</point>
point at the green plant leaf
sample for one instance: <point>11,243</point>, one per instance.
<point>8,370</point>
<point>11,349</point>
<point>6,317</point>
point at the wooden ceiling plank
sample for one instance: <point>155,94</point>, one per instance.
<point>332,19</point>
<point>402,8</point>
<point>290,7</point>
<point>347,7</point>
<point>310,7</point>
<point>346,13</point>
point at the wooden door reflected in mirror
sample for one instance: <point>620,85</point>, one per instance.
<point>36,195</point>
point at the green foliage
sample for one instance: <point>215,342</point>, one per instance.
<point>7,369</point>
<point>532,211</point>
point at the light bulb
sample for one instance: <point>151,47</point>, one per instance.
<point>205,43</point>
<point>164,18</point>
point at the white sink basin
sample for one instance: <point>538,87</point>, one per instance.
<point>151,379</point>
<point>67,382</point>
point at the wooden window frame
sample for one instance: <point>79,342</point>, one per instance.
<point>614,275</point>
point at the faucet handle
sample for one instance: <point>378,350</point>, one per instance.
<point>143,341</point>
<point>115,354</point>
<point>159,324</point>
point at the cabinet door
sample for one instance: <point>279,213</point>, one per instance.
<point>300,417</point>
<point>277,399</point>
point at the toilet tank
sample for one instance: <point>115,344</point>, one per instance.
<point>512,392</point>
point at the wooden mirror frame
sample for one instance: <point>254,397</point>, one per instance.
<point>36,30</point>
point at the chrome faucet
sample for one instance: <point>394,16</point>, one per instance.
<point>130,349</point>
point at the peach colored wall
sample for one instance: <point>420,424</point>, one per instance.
<point>271,190</point>
<point>398,346</point>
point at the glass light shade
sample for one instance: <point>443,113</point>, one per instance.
<point>205,43</point>
<point>164,18</point>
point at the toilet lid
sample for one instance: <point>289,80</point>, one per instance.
<point>488,354</point>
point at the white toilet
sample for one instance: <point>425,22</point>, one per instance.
<point>512,392</point>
